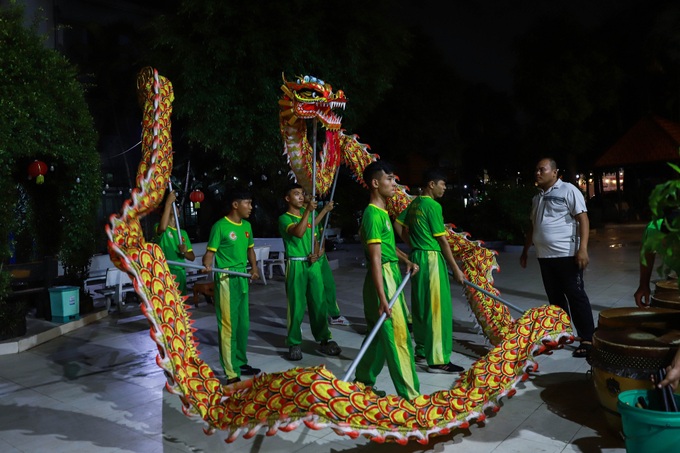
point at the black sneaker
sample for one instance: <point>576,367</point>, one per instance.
<point>420,359</point>
<point>449,368</point>
<point>247,370</point>
<point>329,347</point>
<point>294,353</point>
<point>233,380</point>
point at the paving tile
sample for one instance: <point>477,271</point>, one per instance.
<point>98,388</point>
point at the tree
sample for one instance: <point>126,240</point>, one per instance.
<point>43,115</point>
<point>226,60</point>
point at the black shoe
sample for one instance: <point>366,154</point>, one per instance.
<point>329,347</point>
<point>247,370</point>
<point>583,351</point>
<point>378,392</point>
<point>449,368</point>
<point>294,353</point>
<point>233,380</point>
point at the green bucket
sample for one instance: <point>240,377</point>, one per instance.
<point>646,430</point>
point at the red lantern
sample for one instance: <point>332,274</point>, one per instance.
<point>36,170</point>
<point>196,197</point>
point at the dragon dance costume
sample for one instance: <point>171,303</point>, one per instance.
<point>313,396</point>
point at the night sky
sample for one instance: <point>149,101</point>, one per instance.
<point>477,37</point>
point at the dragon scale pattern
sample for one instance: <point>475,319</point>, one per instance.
<point>313,396</point>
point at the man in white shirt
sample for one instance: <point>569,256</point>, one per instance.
<point>559,231</point>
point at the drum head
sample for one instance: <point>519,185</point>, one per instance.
<point>666,295</point>
<point>667,285</point>
<point>634,342</point>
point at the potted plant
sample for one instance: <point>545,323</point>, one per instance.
<point>664,203</point>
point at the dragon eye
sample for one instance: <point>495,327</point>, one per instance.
<point>313,94</point>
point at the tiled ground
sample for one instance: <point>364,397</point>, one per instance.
<point>98,388</point>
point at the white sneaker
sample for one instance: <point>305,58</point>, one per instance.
<point>339,321</point>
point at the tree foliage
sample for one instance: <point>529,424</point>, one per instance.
<point>226,59</point>
<point>43,115</point>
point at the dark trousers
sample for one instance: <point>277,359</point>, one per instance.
<point>563,282</point>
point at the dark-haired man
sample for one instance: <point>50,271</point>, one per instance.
<point>392,344</point>
<point>304,282</point>
<point>423,228</point>
<point>559,230</point>
<point>231,246</point>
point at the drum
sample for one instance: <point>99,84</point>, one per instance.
<point>629,345</point>
<point>666,294</point>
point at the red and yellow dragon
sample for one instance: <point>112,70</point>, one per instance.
<point>313,396</point>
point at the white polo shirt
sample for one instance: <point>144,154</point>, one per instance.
<point>552,215</point>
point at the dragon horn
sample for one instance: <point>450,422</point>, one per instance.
<point>285,88</point>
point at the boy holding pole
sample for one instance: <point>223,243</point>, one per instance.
<point>393,341</point>
<point>304,283</point>
<point>175,248</point>
<point>231,245</point>
<point>430,290</point>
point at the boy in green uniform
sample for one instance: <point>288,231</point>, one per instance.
<point>304,284</point>
<point>231,245</point>
<point>167,238</point>
<point>393,341</point>
<point>430,289</point>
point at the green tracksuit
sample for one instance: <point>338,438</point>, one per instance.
<point>393,341</point>
<point>230,241</point>
<point>304,283</point>
<point>430,287</point>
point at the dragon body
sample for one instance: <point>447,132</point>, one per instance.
<point>313,396</point>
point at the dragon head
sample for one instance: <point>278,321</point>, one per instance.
<point>309,98</point>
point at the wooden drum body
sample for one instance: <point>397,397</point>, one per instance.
<point>629,345</point>
<point>666,295</point>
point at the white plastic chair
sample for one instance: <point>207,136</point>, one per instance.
<point>117,283</point>
<point>261,254</point>
<point>111,287</point>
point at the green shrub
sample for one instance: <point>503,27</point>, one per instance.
<point>500,214</point>
<point>44,116</point>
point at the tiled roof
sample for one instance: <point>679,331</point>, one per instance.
<point>652,139</point>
